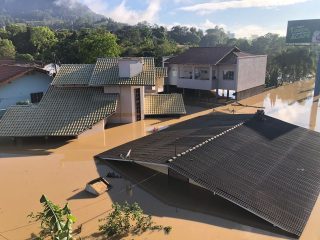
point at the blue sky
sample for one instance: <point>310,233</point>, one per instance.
<point>242,17</point>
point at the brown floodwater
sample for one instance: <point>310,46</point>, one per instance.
<point>60,169</point>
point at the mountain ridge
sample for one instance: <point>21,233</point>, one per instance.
<point>49,12</point>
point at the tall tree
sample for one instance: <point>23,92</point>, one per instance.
<point>43,39</point>
<point>98,44</point>
<point>7,49</point>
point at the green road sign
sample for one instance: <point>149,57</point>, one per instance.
<point>303,32</point>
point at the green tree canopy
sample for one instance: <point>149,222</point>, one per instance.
<point>43,38</point>
<point>98,44</point>
<point>7,49</point>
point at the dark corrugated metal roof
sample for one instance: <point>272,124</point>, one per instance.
<point>160,146</point>
<point>271,168</point>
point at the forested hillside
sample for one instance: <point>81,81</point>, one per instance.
<point>55,13</point>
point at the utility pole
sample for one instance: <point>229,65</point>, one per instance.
<point>317,80</point>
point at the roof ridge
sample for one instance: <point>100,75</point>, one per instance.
<point>205,142</point>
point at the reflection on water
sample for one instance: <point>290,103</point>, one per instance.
<point>292,103</point>
<point>302,111</point>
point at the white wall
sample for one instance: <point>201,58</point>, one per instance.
<point>126,110</point>
<point>251,72</point>
<point>21,88</point>
<point>227,84</point>
<point>195,84</point>
<point>173,74</point>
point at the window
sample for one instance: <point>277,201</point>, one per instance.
<point>214,76</point>
<point>201,73</point>
<point>228,75</point>
<point>36,97</point>
<point>186,72</point>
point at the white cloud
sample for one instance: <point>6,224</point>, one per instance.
<point>204,8</point>
<point>204,25</point>
<point>122,13</point>
<point>250,30</point>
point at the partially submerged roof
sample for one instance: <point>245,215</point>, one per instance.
<point>164,104</point>
<point>161,146</point>
<point>106,72</point>
<point>73,74</point>
<point>11,72</point>
<point>270,168</point>
<point>66,111</point>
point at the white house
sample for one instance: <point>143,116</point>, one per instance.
<point>217,68</point>
<point>22,84</point>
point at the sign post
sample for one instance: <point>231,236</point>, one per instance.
<point>306,33</point>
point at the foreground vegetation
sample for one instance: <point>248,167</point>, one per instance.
<point>123,220</point>
<point>84,45</point>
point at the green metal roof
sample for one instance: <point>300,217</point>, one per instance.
<point>63,111</point>
<point>106,72</point>
<point>73,74</point>
<point>164,104</point>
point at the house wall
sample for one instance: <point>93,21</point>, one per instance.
<point>227,84</point>
<point>251,72</point>
<point>21,88</point>
<point>173,74</point>
<point>126,110</point>
<point>220,83</point>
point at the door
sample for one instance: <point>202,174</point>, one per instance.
<point>137,98</point>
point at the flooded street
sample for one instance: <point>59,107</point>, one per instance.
<point>60,170</point>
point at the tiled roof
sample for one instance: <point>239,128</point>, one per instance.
<point>164,104</point>
<point>161,72</point>
<point>8,73</point>
<point>73,74</point>
<point>63,111</point>
<point>106,72</point>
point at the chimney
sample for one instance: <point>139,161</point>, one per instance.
<point>130,67</point>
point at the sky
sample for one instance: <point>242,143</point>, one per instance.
<point>242,17</point>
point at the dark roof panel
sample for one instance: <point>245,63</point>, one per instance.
<point>273,174</point>
<point>161,146</point>
<point>201,55</point>
<point>270,168</point>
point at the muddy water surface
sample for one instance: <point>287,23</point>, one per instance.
<point>61,170</point>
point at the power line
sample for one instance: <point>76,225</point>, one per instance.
<point>90,219</point>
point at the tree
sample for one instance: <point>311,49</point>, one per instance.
<point>56,222</point>
<point>98,44</point>
<point>128,219</point>
<point>7,49</point>
<point>43,38</point>
<point>214,37</point>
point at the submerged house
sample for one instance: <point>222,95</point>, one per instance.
<point>262,164</point>
<point>217,68</point>
<point>81,95</point>
<point>22,84</point>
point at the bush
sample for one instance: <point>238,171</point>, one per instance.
<point>25,57</point>
<point>129,219</point>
